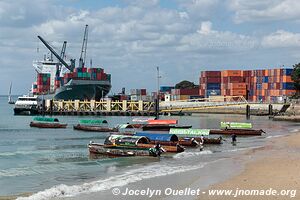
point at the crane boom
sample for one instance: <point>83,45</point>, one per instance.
<point>70,67</point>
<point>84,47</point>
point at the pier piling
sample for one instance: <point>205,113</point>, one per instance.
<point>248,111</point>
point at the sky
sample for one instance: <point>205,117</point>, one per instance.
<point>130,38</point>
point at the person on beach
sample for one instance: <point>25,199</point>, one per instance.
<point>201,142</point>
<point>233,139</point>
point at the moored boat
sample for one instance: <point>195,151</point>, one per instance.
<point>43,122</point>
<point>95,148</point>
<point>249,132</point>
<point>162,127</point>
<point>92,128</point>
<point>144,142</point>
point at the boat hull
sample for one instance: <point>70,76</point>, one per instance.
<point>111,151</point>
<point>158,127</point>
<point>94,128</point>
<point>237,132</point>
<point>47,125</point>
<point>26,111</point>
<point>83,90</point>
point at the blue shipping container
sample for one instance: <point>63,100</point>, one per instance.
<point>287,72</point>
<point>259,86</point>
<point>213,86</point>
<point>266,79</point>
<point>212,92</point>
<point>287,86</point>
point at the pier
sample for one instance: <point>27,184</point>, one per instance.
<point>230,104</point>
<point>105,108</point>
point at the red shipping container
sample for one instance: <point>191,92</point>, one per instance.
<point>193,91</point>
<point>213,80</point>
<point>212,73</point>
<point>235,79</point>
<point>143,92</point>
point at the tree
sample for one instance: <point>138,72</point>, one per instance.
<point>185,85</point>
<point>296,77</point>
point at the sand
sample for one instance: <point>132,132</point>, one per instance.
<point>275,166</point>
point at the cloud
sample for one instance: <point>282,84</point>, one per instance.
<point>281,38</point>
<point>262,11</point>
<point>207,40</point>
<point>130,40</point>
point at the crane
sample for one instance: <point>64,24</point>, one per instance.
<point>83,48</point>
<point>69,67</point>
<point>62,55</point>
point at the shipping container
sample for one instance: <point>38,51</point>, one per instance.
<point>193,91</point>
<point>213,86</point>
<point>287,86</point>
<point>228,73</point>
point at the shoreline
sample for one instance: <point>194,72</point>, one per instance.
<point>274,166</point>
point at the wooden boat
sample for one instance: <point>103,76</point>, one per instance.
<point>47,124</point>
<point>94,128</point>
<point>162,121</point>
<point>237,132</point>
<point>162,127</point>
<point>182,142</point>
<point>206,140</point>
<point>112,151</point>
<point>140,142</point>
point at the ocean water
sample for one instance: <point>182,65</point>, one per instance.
<point>56,163</point>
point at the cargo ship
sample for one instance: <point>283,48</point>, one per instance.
<point>61,80</point>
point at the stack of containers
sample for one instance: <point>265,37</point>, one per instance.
<point>233,83</point>
<point>43,82</point>
<point>255,85</point>
<point>138,94</point>
<point>185,94</point>
<point>34,88</point>
<point>210,83</point>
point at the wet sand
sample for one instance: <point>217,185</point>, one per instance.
<point>275,166</point>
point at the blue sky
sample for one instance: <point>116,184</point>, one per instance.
<point>129,38</point>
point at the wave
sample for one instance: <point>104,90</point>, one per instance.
<point>191,154</point>
<point>130,176</point>
<point>274,136</point>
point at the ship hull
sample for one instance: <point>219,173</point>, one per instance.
<point>82,91</point>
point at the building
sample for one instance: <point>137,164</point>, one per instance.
<point>267,85</point>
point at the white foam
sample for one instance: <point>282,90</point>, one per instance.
<point>116,181</point>
<point>191,154</point>
<point>242,149</point>
<point>274,136</point>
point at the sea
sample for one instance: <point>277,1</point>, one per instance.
<point>48,163</point>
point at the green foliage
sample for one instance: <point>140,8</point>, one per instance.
<point>296,76</point>
<point>185,85</point>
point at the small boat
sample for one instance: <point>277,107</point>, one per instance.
<point>10,101</point>
<point>235,125</point>
<point>92,128</point>
<point>95,148</point>
<point>162,121</point>
<point>27,105</point>
<point>141,142</point>
<point>162,127</point>
<point>125,126</point>
<point>237,132</point>
<point>43,122</point>
<point>190,132</point>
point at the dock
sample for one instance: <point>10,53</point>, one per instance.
<point>98,108</point>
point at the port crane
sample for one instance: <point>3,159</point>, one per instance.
<point>83,48</point>
<point>62,55</point>
<point>69,67</point>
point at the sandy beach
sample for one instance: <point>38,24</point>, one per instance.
<point>274,167</point>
